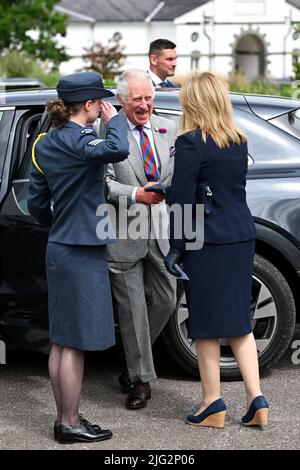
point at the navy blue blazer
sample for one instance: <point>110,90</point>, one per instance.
<point>67,183</point>
<point>197,165</point>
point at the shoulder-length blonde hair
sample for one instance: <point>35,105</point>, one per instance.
<point>206,106</point>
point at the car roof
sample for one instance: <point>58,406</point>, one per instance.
<point>168,98</point>
<point>20,83</point>
<point>263,105</point>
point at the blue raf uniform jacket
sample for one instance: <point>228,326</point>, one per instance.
<point>227,218</point>
<point>67,180</point>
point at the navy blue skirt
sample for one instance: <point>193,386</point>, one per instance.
<point>219,291</point>
<point>79,297</point>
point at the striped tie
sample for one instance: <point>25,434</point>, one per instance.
<point>150,167</point>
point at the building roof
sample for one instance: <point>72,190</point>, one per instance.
<point>127,10</point>
<point>295,3</point>
<point>132,10</point>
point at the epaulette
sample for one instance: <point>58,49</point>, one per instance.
<point>87,130</point>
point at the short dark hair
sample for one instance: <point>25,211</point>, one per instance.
<point>157,46</point>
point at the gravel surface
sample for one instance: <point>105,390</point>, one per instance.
<point>27,409</point>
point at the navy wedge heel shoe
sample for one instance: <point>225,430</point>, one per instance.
<point>257,414</point>
<point>213,416</point>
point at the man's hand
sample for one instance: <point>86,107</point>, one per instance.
<point>148,198</point>
<point>107,111</point>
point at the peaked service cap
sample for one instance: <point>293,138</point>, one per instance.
<point>82,86</point>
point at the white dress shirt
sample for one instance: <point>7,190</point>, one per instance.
<point>155,79</point>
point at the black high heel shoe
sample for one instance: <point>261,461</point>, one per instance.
<point>213,416</point>
<point>257,414</point>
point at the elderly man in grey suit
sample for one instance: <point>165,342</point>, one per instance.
<point>145,292</point>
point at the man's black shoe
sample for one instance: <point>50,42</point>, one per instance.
<point>137,398</point>
<point>85,432</point>
<point>124,381</point>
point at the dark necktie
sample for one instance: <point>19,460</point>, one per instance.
<point>163,85</point>
<point>150,167</point>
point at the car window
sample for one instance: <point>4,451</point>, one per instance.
<point>294,119</point>
<point>290,122</point>
<point>6,117</point>
<point>29,134</point>
<point>266,143</point>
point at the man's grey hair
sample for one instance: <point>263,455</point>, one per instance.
<point>127,76</point>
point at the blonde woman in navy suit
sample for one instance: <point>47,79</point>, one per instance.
<point>212,152</point>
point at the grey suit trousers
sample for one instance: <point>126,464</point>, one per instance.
<point>146,297</point>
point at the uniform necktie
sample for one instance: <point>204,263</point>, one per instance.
<point>163,85</point>
<point>150,167</point>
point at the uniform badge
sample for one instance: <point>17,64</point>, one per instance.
<point>87,130</point>
<point>95,142</point>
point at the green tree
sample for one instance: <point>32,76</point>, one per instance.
<point>32,26</point>
<point>296,64</point>
<point>105,58</point>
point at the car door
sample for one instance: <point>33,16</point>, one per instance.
<point>23,287</point>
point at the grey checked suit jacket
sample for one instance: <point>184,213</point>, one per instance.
<point>123,177</point>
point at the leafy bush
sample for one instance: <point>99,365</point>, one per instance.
<point>109,82</point>
<point>107,59</point>
<point>20,64</point>
<point>238,83</point>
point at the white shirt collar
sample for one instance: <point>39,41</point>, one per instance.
<point>133,126</point>
<point>155,79</point>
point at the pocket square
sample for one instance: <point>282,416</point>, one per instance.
<point>171,152</point>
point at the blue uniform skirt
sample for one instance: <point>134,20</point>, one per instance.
<point>79,297</point>
<point>219,291</point>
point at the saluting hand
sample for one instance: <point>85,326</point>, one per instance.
<point>148,198</point>
<point>107,111</point>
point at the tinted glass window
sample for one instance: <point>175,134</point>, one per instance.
<point>267,143</point>
<point>29,133</point>
<point>289,122</point>
<point>294,119</point>
<point>5,125</point>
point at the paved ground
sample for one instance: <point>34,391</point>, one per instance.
<point>27,409</point>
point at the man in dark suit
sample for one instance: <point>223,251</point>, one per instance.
<point>162,59</point>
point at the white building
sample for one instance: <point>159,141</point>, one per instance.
<point>253,36</point>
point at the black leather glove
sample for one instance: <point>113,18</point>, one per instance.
<point>173,257</point>
<point>156,188</point>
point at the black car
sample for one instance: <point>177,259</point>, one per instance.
<point>273,192</point>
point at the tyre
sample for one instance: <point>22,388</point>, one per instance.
<point>273,316</point>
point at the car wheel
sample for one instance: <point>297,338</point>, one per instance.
<point>273,316</point>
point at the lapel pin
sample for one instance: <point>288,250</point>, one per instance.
<point>162,130</point>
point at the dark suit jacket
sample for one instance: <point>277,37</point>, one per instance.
<point>170,84</point>
<point>70,188</point>
<point>199,164</point>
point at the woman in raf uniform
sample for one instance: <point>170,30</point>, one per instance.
<point>210,168</point>
<point>66,193</point>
